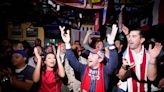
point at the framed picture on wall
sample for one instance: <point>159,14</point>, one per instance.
<point>32,32</point>
<point>16,32</point>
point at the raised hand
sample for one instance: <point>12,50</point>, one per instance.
<point>152,68</point>
<point>58,52</point>
<point>37,54</point>
<point>111,37</point>
<point>154,52</point>
<point>65,36</point>
<point>123,70</point>
<point>61,71</point>
<point>125,64</point>
<point>125,30</point>
<point>89,32</point>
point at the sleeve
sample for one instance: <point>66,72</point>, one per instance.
<point>112,62</point>
<point>29,73</point>
<point>74,63</point>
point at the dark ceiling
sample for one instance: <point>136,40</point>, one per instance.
<point>34,9</point>
<point>40,12</point>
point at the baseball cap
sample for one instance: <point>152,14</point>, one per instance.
<point>22,52</point>
<point>96,51</point>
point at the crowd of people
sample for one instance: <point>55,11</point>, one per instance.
<point>109,65</point>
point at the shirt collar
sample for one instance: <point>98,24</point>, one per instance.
<point>21,69</point>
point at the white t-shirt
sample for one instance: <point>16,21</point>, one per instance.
<point>31,62</point>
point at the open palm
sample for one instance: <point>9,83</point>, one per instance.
<point>111,37</point>
<point>154,52</point>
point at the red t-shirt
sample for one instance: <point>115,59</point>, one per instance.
<point>50,82</point>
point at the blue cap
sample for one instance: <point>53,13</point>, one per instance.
<point>22,52</point>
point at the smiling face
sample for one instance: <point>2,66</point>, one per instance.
<point>99,45</point>
<point>50,60</point>
<point>93,60</point>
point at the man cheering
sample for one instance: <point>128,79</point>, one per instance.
<point>95,75</point>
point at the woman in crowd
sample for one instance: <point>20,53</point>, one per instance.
<point>49,76</point>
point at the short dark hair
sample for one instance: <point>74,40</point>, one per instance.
<point>141,32</point>
<point>121,41</point>
<point>16,42</point>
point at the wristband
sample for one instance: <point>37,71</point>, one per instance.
<point>111,47</point>
<point>68,45</point>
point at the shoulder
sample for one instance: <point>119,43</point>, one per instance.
<point>27,72</point>
<point>29,69</point>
